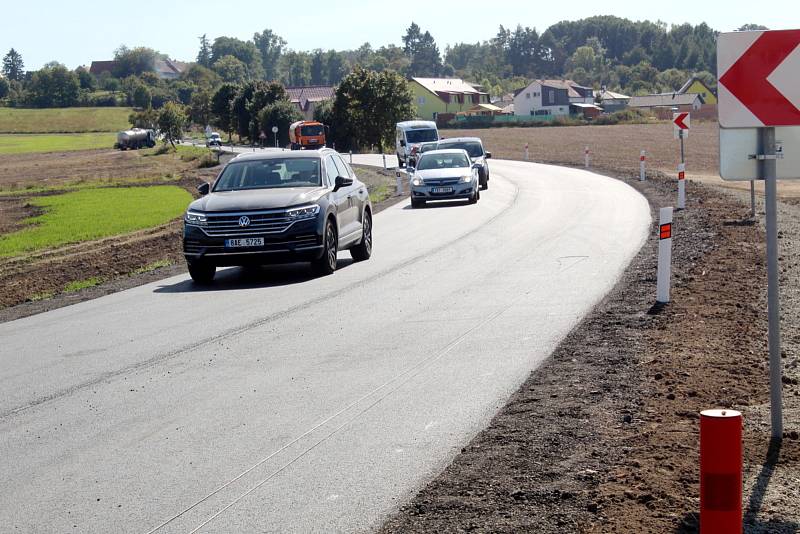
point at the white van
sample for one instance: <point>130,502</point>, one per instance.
<point>411,133</point>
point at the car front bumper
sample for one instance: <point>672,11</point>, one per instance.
<point>301,242</point>
<point>459,190</point>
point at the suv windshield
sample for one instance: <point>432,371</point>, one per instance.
<point>422,136</point>
<point>473,148</point>
<point>270,174</point>
<point>313,130</point>
<point>452,160</point>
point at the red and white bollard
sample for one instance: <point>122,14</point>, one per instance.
<point>681,186</point>
<point>720,472</point>
<point>642,159</point>
<point>664,255</point>
<point>586,157</point>
<point>527,154</point>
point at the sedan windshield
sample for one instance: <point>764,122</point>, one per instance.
<point>422,136</point>
<point>474,149</point>
<point>452,160</point>
<point>270,174</point>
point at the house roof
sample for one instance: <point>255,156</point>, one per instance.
<point>664,100</point>
<point>569,85</point>
<point>99,67</point>
<point>509,109</point>
<point>585,106</point>
<point>166,67</point>
<point>303,96</point>
<point>486,107</point>
<point>611,95</point>
<point>448,85</point>
<point>689,83</point>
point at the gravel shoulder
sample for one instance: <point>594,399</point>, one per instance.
<point>604,436</point>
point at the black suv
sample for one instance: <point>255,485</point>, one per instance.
<point>278,207</point>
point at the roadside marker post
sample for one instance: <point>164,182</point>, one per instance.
<point>586,157</point>
<point>642,160</point>
<point>681,186</point>
<point>752,199</point>
<point>399,178</point>
<point>384,161</point>
<point>527,154</point>
<point>758,82</point>
<point>664,255</point>
<point>720,472</point>
<point>351,157</point>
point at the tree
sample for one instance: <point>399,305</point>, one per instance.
<point>244,51</point>
<point>230,69</point>
<point>142,97</point>
<point>296,68</point>
<point>252,98</point>
<point>752,28</point>
<point>271,47</point>
<point>221,106</point>
<point>281,114</point>
<point>86,79</point>
<point>200,108</point>
<point>319,74</point>
<point>13,66</point>
<point>367,106</point>
<point>4,88</point>
<point>204,55</point>
<point>133,61</point>
<point>54,87</point>
<point>147,118</point>
<point>422,51</point>
<point>336,67</point>
<point>201,77</point>
<point>171,122</point>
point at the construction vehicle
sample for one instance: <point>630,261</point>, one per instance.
<point>135,139</point>
<point>307,135</point>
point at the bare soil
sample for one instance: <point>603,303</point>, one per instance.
<point>604,436</point>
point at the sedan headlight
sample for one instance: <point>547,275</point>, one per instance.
<point>417,181</point>
<point>196,218</point>
<point>306,212</point>
<point>465,179</point>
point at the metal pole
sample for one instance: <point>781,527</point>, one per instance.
<point>753,199</point>
<point>769,172</point>
<point>682,176</point>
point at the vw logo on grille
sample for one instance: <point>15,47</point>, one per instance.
<point>244,221</point>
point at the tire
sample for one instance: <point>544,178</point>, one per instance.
<point>417,203</point>
<point>327,263</point>
<point>476,196</point>
<point>484,181</point>
<point>202,272</point>
<point>363,250</point>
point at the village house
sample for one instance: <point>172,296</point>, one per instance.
<point>308,99</point>
<point>437,96</point>
<point>552,98</point>
<point>611,101</point>
<point>667,101</point>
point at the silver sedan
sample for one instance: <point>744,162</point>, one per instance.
<point>444,175</point>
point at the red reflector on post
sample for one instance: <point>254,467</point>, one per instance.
<point>665,231</point>
<point>681,175</point>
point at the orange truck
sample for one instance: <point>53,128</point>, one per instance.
<point>307,135</point>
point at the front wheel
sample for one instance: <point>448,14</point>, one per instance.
<point>417,203</point>
<point>202,272</point>
<point>363,250</point>
<point>327,263</point>
<point>476,196</point>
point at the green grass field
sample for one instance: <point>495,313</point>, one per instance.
<point>28,144</point>
<point>63,120</point>
<point>91,214</point>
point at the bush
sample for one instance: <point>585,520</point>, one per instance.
<point>629,115</point>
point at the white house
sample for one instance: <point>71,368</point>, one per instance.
<point>550,98</point>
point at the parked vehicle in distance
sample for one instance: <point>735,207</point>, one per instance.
<point>474,147</point>
<point>278,207</point>
<point>213,140</point>
<point>421,148</point>
<point>442,175</point>
<point>135,139</point>
<point>307,134</point>
<point>411,133</point>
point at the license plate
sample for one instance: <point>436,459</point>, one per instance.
<point>244,242</point>
<point>442,190</point>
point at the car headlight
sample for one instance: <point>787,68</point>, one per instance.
<point>465,179</point>
<point>196,218</point>
<point>306,212</point>
<point>417,181</point>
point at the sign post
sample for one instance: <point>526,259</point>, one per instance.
<point>758,91</point>
<point>275,134</point>
<point>681,123</point>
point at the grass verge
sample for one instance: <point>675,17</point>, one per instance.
<point>77,285</point>
<point>63,120</point>
<point>29,144</point>
<point>89,214</point>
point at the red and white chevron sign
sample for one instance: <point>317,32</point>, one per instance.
<point>759,78</point>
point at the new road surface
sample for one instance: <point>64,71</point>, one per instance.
<point>279,402</point>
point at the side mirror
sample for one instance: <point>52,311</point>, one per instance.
<point>204,188</point>
<point>341,182</point>
<point>402,142</point>
<point>488,155</point>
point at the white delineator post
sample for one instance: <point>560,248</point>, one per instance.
<point>384,161</point>
<point>642,159</point>
<point>664,254</point>
<point>586,157</point>
<point>681,186</point>
<point>351,157</point>
<point>399,183</point>
<point>527,154</point>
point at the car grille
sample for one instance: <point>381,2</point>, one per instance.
<point>445,181</point>
<point>261,222</point>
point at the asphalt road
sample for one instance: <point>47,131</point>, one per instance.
<point>279,402</point>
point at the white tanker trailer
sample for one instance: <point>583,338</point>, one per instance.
<point>135,139</point>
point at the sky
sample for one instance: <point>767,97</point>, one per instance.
<point>76,32</point>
